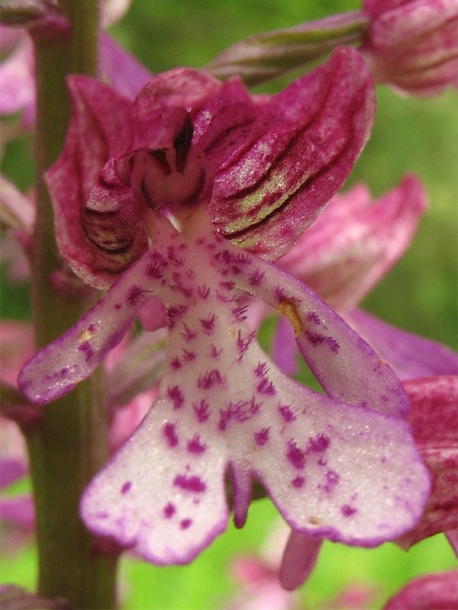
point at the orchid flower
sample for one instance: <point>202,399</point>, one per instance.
<point>180,198</point>
<point>412,45</point>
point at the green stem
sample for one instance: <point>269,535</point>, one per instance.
<point>71,443</point>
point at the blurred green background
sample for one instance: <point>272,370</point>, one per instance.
<point>420,294</point>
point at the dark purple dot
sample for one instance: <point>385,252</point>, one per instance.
<point>191,483</point>
<point>170,434</point>
<point>347,510</point>
<point>286,413</point>
<point>195,446</point>
<point>298,482</point>
<point>262,436</point>
<point>295,455</point>
<point>169,510</point>
<point>185,524</point>
<point>318,443</point>
<point>125,488</point>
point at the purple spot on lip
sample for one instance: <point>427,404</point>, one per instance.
<point>298,482</point>
<point>256,277</point>
<point>262,436</point>
<point>125,488</point>
<point>209,379</point>
<point>318,443</point>
<point>174,314</point>
<point>215,352</point>
<point>317,339</point>
<point>169,510</point>
<point>188,334</point>
<point>87,350</point>
<point>185,524</point>
<point>155,269</point>
<point>295,455</point>
<point>208,323</point>
<point>195,446</point>
<point>347,510</point>
<point>192,483</point>
<point>203,291</point>
<point>286,413</point>
<point>135,294</point>
<point>240,313</point>
<point>175,363</point>
<point>243,342</point>
<point>170,434</point>
<point>176,396</point>
<point>313,317</point>
<point>266,387</point>
<point>228,285</point>
<point>331,480</point>
<point>261,369</point>
<point>201,411</point>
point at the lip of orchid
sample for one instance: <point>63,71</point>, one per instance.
<point>222,404</point>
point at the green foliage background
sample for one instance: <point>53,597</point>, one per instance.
<point>420,294</point>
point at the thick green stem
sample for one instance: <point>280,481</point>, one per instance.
<point>71,443</point>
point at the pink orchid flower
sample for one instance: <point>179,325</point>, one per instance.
<point>412,45</point>
<point>437,591</point>
<point>181,197</point>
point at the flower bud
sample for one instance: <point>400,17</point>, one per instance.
<point>412,45</point>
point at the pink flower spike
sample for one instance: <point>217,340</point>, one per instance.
<point>299,559</point>
<point>437,591</point>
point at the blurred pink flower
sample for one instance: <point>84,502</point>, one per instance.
<point>17,70</point>
<point>412,45</point>
<point>438,591</point>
